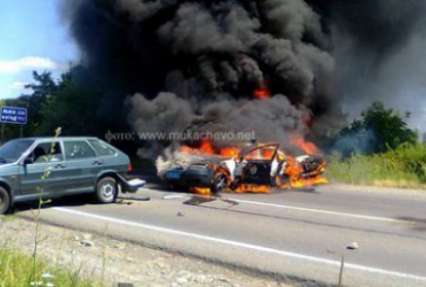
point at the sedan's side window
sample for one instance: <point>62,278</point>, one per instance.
<point>78,150</point>
<point>47,152</point>
<point>102,148</point>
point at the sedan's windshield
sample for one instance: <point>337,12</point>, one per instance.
<point>12,150</point>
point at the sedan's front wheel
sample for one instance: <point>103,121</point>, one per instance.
<point>4,200</point>
<point>107,190</point>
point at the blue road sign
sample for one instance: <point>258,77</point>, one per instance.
<point>14,115</point>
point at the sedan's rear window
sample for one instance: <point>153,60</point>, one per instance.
<point>102,148</point>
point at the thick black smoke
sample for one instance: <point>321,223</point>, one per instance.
<point>197,63</point>
<point>208,57</point>
<point>379,47</point>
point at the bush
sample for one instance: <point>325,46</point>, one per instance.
<point>378,130</point>
<point>404,166</point>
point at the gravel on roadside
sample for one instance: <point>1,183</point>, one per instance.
<point>116,262</point>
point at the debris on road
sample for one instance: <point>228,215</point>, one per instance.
<point>135,197</point>
<point>353,246</point>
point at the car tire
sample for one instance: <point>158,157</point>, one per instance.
<point>220,183</point>
<point>106,190</point>
<point>5,201</point>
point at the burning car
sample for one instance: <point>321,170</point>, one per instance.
<point>251,169</point>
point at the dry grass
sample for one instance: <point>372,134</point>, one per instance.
<point>16,269</point>
<point>403,167</point>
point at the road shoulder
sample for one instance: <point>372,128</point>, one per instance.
<point>119,261</point>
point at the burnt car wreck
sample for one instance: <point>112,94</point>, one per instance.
<point>255,169</point>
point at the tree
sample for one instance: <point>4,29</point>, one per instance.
<point>42,86</point>
<point>71,107</point>
<point>390,128</point>
<point>76,102</point>
<point>52,103</point>
<point>379,130</point>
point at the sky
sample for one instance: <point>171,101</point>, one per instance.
<point>32,37</point>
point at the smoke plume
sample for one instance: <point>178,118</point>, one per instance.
<point>196,64</point>
<point>379,47</point>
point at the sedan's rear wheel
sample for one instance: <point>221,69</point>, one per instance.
<point>4,200</point>
<point>107,190</point>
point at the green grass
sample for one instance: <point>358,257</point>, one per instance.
<point>16,270</point>
<point>403,167</point>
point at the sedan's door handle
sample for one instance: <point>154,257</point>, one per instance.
<point>60,165</point>
<point>97,162</point>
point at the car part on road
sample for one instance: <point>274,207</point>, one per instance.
<point>130,184</point>
<point>135,198</point>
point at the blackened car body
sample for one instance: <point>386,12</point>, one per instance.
<point>33,168</point>
<point>264,164</point>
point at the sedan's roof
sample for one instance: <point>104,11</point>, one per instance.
<point>60,138</point>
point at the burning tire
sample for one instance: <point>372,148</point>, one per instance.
<point>220,183</point>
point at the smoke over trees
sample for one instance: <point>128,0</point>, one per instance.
<point>208,57</point>
<point>378,47</point>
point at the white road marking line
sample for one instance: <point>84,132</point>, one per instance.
<point>241,244</point>
<point>323,211</point>
<point>174,196</point>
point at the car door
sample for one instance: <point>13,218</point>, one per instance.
<point>106,157</point>
<point>80,158</point>
<point>259,165</point>
<point>42,170</point>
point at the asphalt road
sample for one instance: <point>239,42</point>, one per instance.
<point>300,235</point>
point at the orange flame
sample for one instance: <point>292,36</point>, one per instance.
<point>294,172</point>
<point>252,188</point>
<point>230,152</point>
<point>243,188</point>
<point>200,190</point>
<point>263,92</point>
<point>306,146</point>
<point>206,148</point>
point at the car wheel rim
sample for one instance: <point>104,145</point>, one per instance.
<point>220,184</point>
<point>108,190</point>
